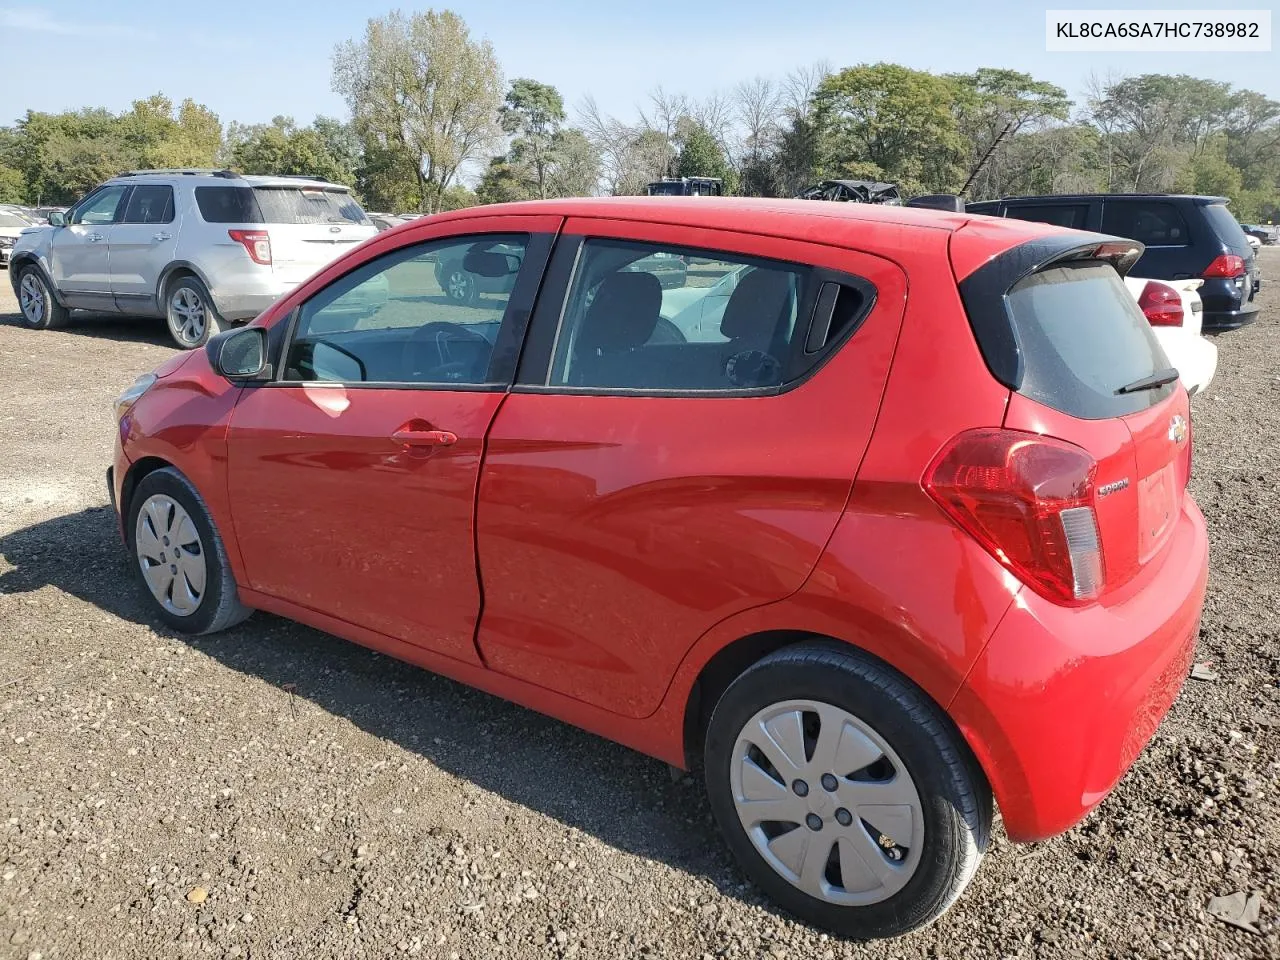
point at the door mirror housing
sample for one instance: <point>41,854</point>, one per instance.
<point>240,354</point>
<point>57,218</point>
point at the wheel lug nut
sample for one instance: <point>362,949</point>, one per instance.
<point>813,821</point>
<point>829,783</point>
<point>801,788</point>
<point>844,817</point>
<point>173,568</point>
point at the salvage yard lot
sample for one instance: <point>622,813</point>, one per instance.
<point>275,792</point>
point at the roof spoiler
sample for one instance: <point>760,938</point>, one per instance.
<point>983,291</point>
<point>950,202</point>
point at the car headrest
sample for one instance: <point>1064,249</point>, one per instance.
<point>756,305</point>
<point>623,314</point>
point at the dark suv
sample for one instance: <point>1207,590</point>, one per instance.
<point>1186,237</point>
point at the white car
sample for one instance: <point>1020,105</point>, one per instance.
<point>1254,242</point>
<point>1173,309</point>
<point>12,223</point>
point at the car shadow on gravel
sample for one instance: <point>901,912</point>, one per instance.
<point>107,326</point>
<point>625,799</point>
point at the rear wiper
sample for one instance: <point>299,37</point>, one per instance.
<point>1157,379</point>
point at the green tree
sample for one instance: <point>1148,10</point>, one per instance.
<point>994,103</point>
<point>700,155</point>
<point>533,113</point>
<point>420,83</point>
<point>894,123</point>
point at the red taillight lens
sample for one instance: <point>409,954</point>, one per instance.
<point>1028,500</point>
<point>257,242</point>
<point>1228,265</point>
<point>1161,304</point>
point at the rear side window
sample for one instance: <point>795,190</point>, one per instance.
<point>1227,228</point>
<point>1154,223</point>
<point>302,205</point>
<point>1073,215</point>
<point>228,205</point>
<point>152,203</point>
<point>1082,338</point>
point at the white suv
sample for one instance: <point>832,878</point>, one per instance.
<point>196,247</point>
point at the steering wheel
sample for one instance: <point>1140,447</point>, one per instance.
<point>440,352</point>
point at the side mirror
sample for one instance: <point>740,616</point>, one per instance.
<point>57,218</point>
<point>240,354</point>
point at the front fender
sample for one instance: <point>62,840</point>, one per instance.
<point>26,258</point>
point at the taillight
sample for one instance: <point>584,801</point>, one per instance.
<point>1161,304</point>
<point>1227,265</point>
<point>256,242</point>
<point>1028,500</point>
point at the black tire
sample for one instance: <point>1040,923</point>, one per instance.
<point>180,296</point>
<point>50,314</point>
<point>459,286</point>
<point>219,605</point>
<point>954,796</point>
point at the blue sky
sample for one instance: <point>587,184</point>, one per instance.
<point>251,61</point>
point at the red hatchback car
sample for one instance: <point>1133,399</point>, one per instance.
<point>880,514</point>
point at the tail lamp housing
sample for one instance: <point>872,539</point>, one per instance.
<point>256,242</point>
<point>1028,500</point>
<point>1227,265</point>
<point>1161,304</point>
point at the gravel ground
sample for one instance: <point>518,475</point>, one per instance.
<point>275,792</point>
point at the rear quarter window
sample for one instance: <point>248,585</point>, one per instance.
<point>1155,223</point>
<point>1073,215</point>
<point>1082,338</point>
<point>1227,228</point>
<point>228,205</point>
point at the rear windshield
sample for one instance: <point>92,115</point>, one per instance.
<point>1082,337</point>
<point>1227,228</point>
<point>302,205</point>
<point>278,205</point>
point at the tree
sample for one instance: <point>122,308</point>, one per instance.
<point>419,82</point>
<point>700,154</point>
<point>282,148</point>
<point>995,103</point>
<point>532,114</point>
<point>894,123</point>
<point>630,156</point>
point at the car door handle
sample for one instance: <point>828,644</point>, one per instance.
<point>161,236</point>
<point>94,237</point>
<point>425,438</point>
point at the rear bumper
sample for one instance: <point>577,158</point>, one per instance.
<point>1229,319</point>
<point>1062,701</point>
<point>243,305</point>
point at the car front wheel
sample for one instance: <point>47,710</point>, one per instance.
<point>844,792</point>
<point>179,558</point>
<point>40,310</point>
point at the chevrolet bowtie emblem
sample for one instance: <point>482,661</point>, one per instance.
<point>1178,429</point>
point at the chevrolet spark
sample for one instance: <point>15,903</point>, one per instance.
<point>880,519</point>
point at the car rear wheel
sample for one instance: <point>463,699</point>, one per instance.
<point>179,557</point>
<point>40,310</point>
<point>189,310</point>
<point>459,285</point>
<point>844,792</point>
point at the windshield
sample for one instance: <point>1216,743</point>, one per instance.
<point>666,189</point>
<point>308,205</point>
<point>1082,338</point>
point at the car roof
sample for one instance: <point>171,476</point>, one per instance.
<point>749,214</point>
<point>206,178</point>
<point>1052,197</point>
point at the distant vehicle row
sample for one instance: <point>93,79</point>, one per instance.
<point>196,247</point>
